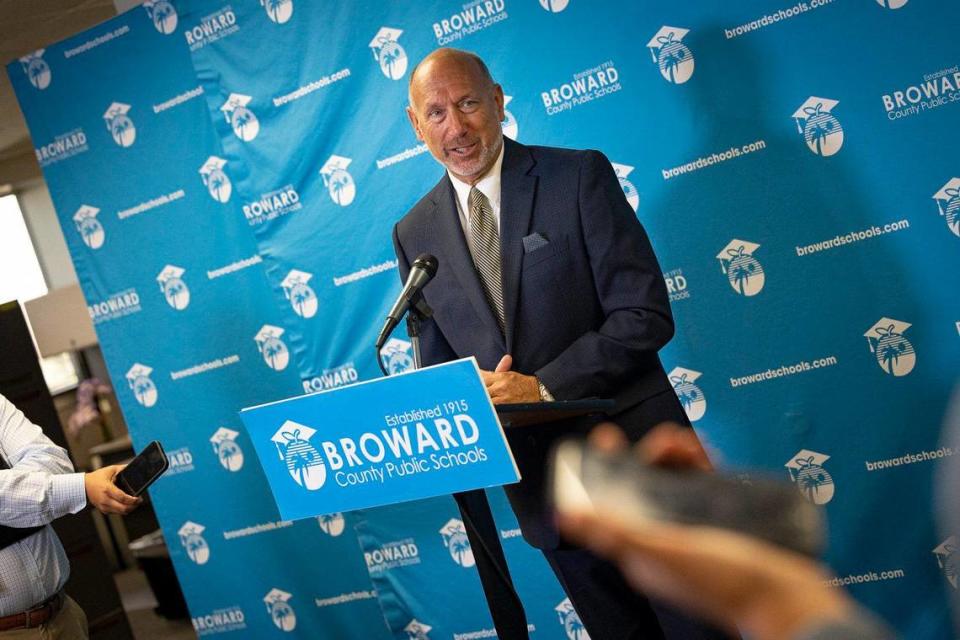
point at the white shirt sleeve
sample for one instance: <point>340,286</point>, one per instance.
<point>40,485</point>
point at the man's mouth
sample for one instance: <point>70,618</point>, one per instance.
<point>463,150</point>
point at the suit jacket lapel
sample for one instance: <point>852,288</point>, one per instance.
<point>516,208</point>
<point>456,256</point>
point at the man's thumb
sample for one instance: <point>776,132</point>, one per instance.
<point>505,363</point>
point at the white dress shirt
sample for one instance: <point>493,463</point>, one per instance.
<point>39,487</point>
<point>489,186</point>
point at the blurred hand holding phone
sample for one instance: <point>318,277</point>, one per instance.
<point>143,470</point>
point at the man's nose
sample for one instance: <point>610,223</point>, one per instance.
<point>458,122</point>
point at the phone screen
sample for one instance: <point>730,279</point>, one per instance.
<point>143,470</point>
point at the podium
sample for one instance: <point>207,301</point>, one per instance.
<point>522,414</point>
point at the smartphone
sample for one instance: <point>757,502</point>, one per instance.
<point>584,479</point>
<point>143,470</point>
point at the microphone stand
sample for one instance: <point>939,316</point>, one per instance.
<point>419,311</point>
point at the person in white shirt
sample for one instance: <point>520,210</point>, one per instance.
<point>37,486</point>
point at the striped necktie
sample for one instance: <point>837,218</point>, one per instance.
<point>485,249</point>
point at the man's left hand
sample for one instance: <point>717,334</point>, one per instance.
<point>505,386</point>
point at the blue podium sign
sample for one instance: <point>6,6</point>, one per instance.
<point>414,435</point>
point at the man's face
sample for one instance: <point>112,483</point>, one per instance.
<point>457,113</point>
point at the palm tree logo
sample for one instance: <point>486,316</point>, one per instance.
<point>629,190</point>
<point>138,379</point>
<point>744,272</point>
<point>332,524</point>
<point>554,6</point>
<point>571,622</point>
<point>91,231</point>
<point>948,560</point>
<point>230,455</point>
<point>176,293</point>
<point>673,58</point>
<point>390,55</point>
<point>303,462</point>
<point>120,125</point>
<point>814,482</point>
<point>37,70</point>
<point>163,14</point>
<point>275,354</point>
<point>218,184</point>
<point>510,126</point>
<point>819,127</point>
<point>894,353</point>
<point>302,298</point>
<point>948,201</point>
<point>455,539</point>
<point>417,630</point>
<point>892,4</point>
<point>279,11</point>
<point>690,396</point>
<point>341,186</point>
<point>245,124</point>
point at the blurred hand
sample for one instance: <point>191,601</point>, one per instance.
<point>106,496</point>
<point>505,386</point>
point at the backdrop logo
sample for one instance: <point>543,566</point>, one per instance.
<point>509,124</point>
<point>674,59</point>
<point>174,289</point>
<point>819,127</point>
<point>332,524</point>
<point>163,15</point>
<point>893,4</point>
<point>388,52</point>
<point>138,379</point>
<point>894,353</point>
<point>585,87</point>
<point>215,180</point>
<point>743,271</point>
<point>90,229</point>
<point>302,298</point>
<point>455,540</point>
<point>807,472</point>
<point>194,544</point>
<point>397,355</point>
<point>393,554</point>
<point>36,69</point>
<point>571,621</point>
<point>339,183</point>
<point>272,205</point>
<point>677,286</point>
<point>181,461</point>
<point>689,394</point>
<point>474,16</point>
<point>416,630</point>
<point>120,125</point>
<point>228,452</point>
<point>212,28</point>
<point>554,6</point>
<point>948,201</point>
<point>279,11</point>
<point>278,604</point>
<point>65,145</point>
<point>244,122</point>
<point>947,558</point>
<point>630,191</point>
<point>332,378</point>
<point>303,461</point>
<point>272,348</point>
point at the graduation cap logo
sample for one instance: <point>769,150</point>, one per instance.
<point>215,179</point>
<point>90,229</point>
<point>138,379</point>
<point>630,191</point>
<point>388,53</point>
<point>397,354</point>
<point>228,452</point>
<point>163,15</point>
<point>893,4</point>
<point>894,353</point>
<point>455,540</point>
<point>948,559</point>
<point>509,125</point>
<point>241,118</point>
<point>272,348</point>
<point>332,524</point>
<point>120,125</point>
<point>554,6</point>
<point>570,620</point>
<point>807,472</point>
<point>948,202</point>
<point>279,11</point>
<point>278,606</point>
<point>338,181</point>
<point>417,630</point>
<point>819,127</point>
<point>743,271</point>
<point>302,298</point>
<point>36,69</point>
<point>301,458</point>
<point>672,57</point>
<point>690,396</point>
<point>194,543</point>
<point>173,287</point>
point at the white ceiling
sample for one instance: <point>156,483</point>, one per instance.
<point>25,26</point>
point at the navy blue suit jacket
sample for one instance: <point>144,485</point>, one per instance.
<point>586,312</point>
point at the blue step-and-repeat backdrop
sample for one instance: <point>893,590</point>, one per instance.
<point>227,175</point>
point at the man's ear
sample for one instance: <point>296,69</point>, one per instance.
<point>412,117</point>
<point>498,98</point>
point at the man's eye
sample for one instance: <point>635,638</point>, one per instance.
<point>469,105</point>
<point>433,114</point>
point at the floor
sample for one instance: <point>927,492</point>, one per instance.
<point>138,603</point>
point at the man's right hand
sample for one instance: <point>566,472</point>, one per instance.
<point>106,496</point>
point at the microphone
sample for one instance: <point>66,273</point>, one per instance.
<point>422,272</point>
